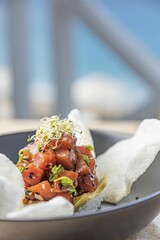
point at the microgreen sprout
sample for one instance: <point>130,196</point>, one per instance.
<point>53,128</point>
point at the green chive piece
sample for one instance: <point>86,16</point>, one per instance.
<point>21,168</point>
<point>89,147</point>
<point>86,159</point>
<point>20,160</point>
<point>20,153</point>
<point>22,156</point>
<point>67,183</point>
<point>56,170</point>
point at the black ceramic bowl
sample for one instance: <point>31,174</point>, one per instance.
<point>110,222</point>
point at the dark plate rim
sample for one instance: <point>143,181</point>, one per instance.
<point>109,210</point>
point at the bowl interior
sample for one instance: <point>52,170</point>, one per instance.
<point>147,184</point>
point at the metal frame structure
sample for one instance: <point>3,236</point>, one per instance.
<point>18,53</point>
<point>104,26</point>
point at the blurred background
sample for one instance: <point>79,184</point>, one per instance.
<point>99,56</point>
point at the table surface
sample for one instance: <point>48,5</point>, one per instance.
<point>152,231</point>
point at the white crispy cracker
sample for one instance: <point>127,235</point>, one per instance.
<point>56,207</point>
<point>11,186</point>
<point>85,137</point>
<point>127,160</point>
<point>10,171</point>
<point>11,196</point>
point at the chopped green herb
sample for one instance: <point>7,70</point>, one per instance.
<point>22,155</point>
<point>21,168</point>
<point>28,139</point>
<point>89,147</point>
<point>20,160</point>
<point>56,170</point>
<point>67,183</point>
<point>22,151</point>
<point>86,159</point>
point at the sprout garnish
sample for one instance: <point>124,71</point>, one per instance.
<point>53,128</point>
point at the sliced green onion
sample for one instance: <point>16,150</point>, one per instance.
<point>67,183</point>
<point>21,168</point>
<point>20,160</point>
<point>86,159</point>
<point>89,147</point>
<point>20,153</point>
<point>56,170</point>
<point>22,156</point>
